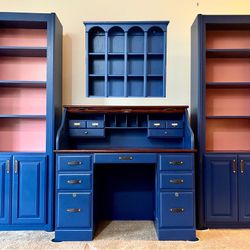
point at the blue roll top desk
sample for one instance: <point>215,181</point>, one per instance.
<point>125,163</point>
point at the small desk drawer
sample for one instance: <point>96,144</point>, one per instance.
<point>125,158</point>
<point>175,124</point>
<point>157,124</point>
<point>87,132</point>
<point>77,124</point>
<point>95,124</point>
<point>176,209</point>
<point>176,162</point>
<point>165,133</point>
<point>74,162</point>
<point>74,181</point>
<point>74,210</point>
<point>176,181</point>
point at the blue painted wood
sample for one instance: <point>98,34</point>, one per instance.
<point>74,210</point>
<point>176,180</point>
<point>177,209</point>
<point>221,201</point>
<point>29,189</point>
<point>53,53</point>
<point>165,133</point>
<point>5,189</point>
<point>74,162</point>
<point>74,181</point>
<point>87,132</point>
<point>244,188</point>
<point>134,51</point>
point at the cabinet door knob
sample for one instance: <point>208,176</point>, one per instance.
<point>85,132</point>
<point>234,166</point>
<point>8,166</point>
<point>16,167</point>
<point>241,166</point>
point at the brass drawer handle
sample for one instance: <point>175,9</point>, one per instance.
<point>73,210</point>
<point>177,210</point>
<point>126,158</point>
<point>234,166</point>
<point>74,181</point>
<point>176,163</point>
<point>176,181</point>
<point>74,163</point>
<point>76,123</point>
<point>241,166</point>
<point>8,166</point>
<point>157,124</point>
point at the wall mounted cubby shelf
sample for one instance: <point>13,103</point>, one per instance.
<point>220,118</point>
<point>30,104</point>
<point>126,59</point>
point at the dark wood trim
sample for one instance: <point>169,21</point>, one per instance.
<point>125,109</point>
<point>129,150</point>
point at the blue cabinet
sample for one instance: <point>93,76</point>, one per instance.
<point>221,188</point>
<point>5,189</point>
<point>29,190</point>
<point>126,59</point>
<point>30,79</point>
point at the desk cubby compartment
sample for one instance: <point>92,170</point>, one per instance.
<point>74,182</point>
<point>74,162</point>
<point>176,181</point>
<point>177,209</point>
<point>116,40</point>
<point>125,54</point>
<point>74,210</point>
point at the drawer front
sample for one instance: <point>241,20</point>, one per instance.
<point>125,158</point>
<point>176,162</point>
<point>95,124</point>
<point>176,181</point>
<point>157,124</point>
<point>87,132</point>
<point>74,162</point>
<point>74,210</point>
<point>165,133</point>
<point>176,209</point>
<point>174,124</point>
<point>77,124</point>
<point>74,181</point>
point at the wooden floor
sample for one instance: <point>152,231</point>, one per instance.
<point>128,235</point>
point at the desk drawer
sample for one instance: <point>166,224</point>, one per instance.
<point>74,162</point>
<point>177,181</point>
<point>125,158</point>
<point>176,209</point>
<point>74,210</point>
<point>92,132</point>
<point>95,124</point>
<point>176,162</point>
<point>74,181</point>
<point>157,124</point>
<point>165,133</point>
<point>175,124</point>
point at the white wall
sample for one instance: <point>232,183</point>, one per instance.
<point>180,13</point>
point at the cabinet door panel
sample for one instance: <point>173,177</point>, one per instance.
<point>29,189</point>
<point>244,188</point>
<point>221,188</point>
<point>4,189</point>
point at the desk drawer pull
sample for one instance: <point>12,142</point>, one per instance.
<point>8,166</point>
<point>74,163</point>
<point>73,210</point>
<point>176,181</point>
<point>177,210</point>
<point>174,124</point>
<point>126,158</point>
<point>176,163</point>
<point>74,181</point>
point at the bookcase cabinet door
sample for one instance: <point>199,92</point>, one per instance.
<point>221,188</point>
<point>244,188</point>
<point>29,190</point>
<point>4,189</point>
